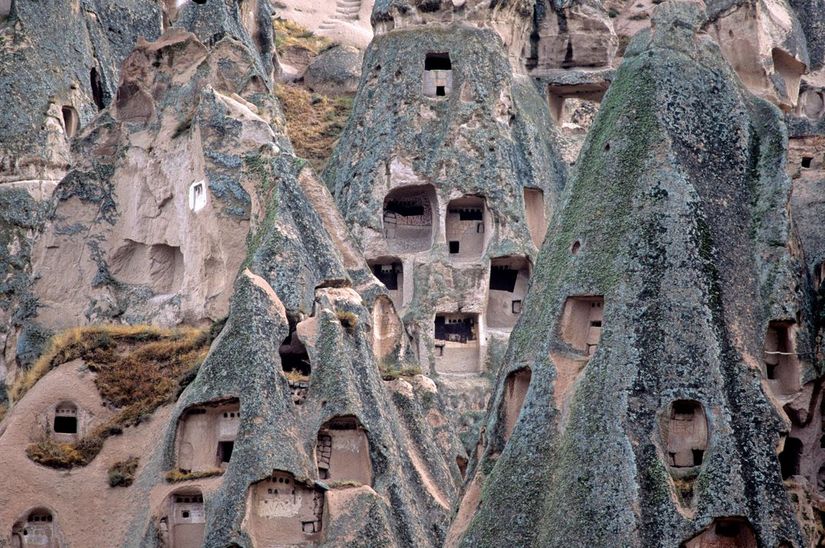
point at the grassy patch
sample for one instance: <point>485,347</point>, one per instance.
<point>313,122</point>
<point>138,369</point>
<point>122,473</point>
<point>176,475</point>
<point>289,34</point>
<point>407,371</point>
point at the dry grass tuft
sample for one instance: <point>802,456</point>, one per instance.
<point>122,473</point>
<point>296,376</point>
<point>388,374</point>
<point>313,122</point>
<point>344,484</point>
<point>174,476</point>
<point>349,320</point>
<point>289,34</point>
<point>55,455</point>
<point>139,368</point>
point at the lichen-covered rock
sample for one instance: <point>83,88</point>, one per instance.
<point>447,170</point>
<point>368,461</point>
<point>335,70</point>
<point>165,247</point>
<point>247,21</point>
<point>20,218</point>
<point>59,67</point>
<point>666,274</point>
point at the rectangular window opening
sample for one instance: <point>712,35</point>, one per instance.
<point>65,425</point>
<point>225,449</point>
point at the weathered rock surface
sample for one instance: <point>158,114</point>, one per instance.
<point>373,359</point>
<point>479,146</point>
<point>60,63</point>
<point>151,223</point>
<point>693,261</point>
<point>343,21</point>
<point>335,70</point>
<point>302,279</point>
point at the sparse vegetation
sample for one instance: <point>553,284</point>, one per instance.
<point>344,484</point>
<point>407,371</point>
<point>122,473</point>
<point>139,368</point>
<point>296,376</point>
<point>349,320</point>
<point>290,34</point>
<point>50,453</point>
<point>176,475</point>
<point>313,122</point>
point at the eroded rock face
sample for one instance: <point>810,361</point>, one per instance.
<point>247,21</point>
<point>776,55</point>
<point>335,70</point>
<point>60,67</point>
<point>574,34</point>
<point>684,344</point>
<point>393,369</point>
<point>448,165</point>
<point>304,292</point>
<point>151,224</point>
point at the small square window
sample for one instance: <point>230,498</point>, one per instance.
<point>515,307</point>
<point>440,91</point>
<point>65,425</point>
<point>454,247</point>
<point>807,161</point>
<point>197,196</point>
<point>185,514</point>
<point>439,350</point>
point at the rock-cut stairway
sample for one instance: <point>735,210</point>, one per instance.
<point>345,11</point>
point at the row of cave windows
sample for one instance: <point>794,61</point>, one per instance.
<point>182,519</point>
<point>581,327</point>
<point>342,453</point>
<point>184,522</point>
<point>206,436</point>
<point>185,519</point>
<point>685,431</point>
<point>408,219</point>
<point>508,275</point>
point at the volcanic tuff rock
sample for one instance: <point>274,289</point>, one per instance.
<point>207,344</point>
<point>692,263</point>
<point>60,63</point>
<point>479,159</point>
<point>180,99</point>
